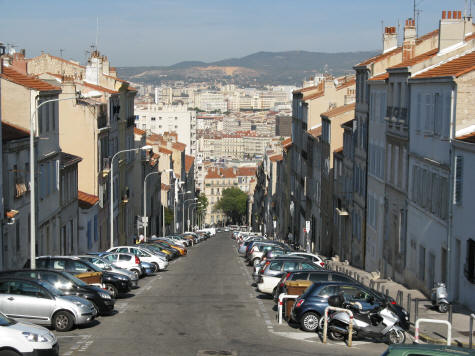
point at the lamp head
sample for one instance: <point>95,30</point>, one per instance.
<point>146,148</point>
<point>93,94</point>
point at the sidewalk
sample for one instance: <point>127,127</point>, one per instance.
<point>430,333</point>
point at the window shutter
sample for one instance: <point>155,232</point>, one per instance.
<point>418,117</point>
<point>437,114</point>
<point>429,117</point>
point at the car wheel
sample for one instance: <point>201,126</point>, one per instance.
<point>156,266</point>
<point>94,306</point>
<point>112,290</point>
<point>309,321</point>
<point>63,321</point>
<point>443,307</point>
<point>136,273</point>
<point>396,337</point>
<point>256,261</point>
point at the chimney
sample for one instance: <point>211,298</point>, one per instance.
<point>389,39</point>
<point>451,29</point>
<point>409,44</point>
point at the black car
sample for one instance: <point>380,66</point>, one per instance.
<point>69,285</point>
<point>313,276</point>
<point>115,283</point>
<point>310,306</point>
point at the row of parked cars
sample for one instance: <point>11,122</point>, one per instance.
<point>276,265</point>
<point>62,292</point>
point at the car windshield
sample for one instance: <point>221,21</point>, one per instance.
<point>5,321</point>
<point>50,288</point>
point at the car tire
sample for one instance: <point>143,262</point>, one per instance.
<point>95,307</point>
<point>136,273</point>
<point>443,307</point>
<point>63,321</point>
<point>9,353</point>
<point>156,266</point>
<point>309,321</point>
<point>112,290</point>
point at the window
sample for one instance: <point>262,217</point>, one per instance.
<point>153,119</point>
<point>125,258</point>
<point>328,291</point>
<point>275,266</point>
<point>299,276</point>
<point>79,267</point>
<point>429,114</point>
<point>469,268</point>
<point>59,265</point>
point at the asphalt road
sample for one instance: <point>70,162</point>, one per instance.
<point>203,305</point>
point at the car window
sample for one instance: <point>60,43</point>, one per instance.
<point>111,258</point>
<point>79,267</point>
<point>125,258</point>
<point>299,276</point>
<point>26,289</point>
<point>290,266</point>
<point>51,278</point>
<point>339,277</point>
<point>42,263</point>
<point>99,263</point>
<point>305,265</point>
<point>328,291</point>
<point>353,293</point>
<point>275,266</point>
<point>113,249</point>
<point>318,277</point>
<point>59,265</point>
<point>4,287</point>
<point>123,249</point>
<point>140,253</point>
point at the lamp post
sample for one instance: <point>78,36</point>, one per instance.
<point>143,148</point>
<point>183,213</point>
<point>78,95</point>
<point>145,220</point>
<point>182,193</point>
<point>196,205</point>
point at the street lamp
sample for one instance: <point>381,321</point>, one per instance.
<point>183,213</point>
<point>182,193</point>
<point>143,148</point>
<point>78,95</point>
<point>145,220</point>
<point>196,205</point>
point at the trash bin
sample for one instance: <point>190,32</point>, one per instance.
<point>294,288</point>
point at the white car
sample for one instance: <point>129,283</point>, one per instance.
<point>268,283</point>
<point>315,258</point>
<point>125,260</point>
<point>144,255</point>
<point>26,339</point>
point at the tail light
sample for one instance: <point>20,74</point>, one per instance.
<point>137,260</point>
<point>322,264</point>
<point>264,267</point>
<point>286,277</point>
<point>393,302</point>
<point>299,303</point>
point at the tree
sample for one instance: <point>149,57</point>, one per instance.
<point>168,216</point>
<point>202,203</point>
<point>233,203</point>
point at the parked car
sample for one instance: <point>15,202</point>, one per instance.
<point>127,261</point>
<point>259,269</point>
<point>259,250</point>
<point>156,247</point>
<point>181,249</point>
<point>313,276</point>
<point>114,283</point>
<point>269,280</point>
<point>26,339</point>
<point>310,306</point>
<point>107,266</point>
<point>38,302</point>
<point>144,255</point>
<point>426,350</point>
<point>315,258</point>
<point>69,285</point>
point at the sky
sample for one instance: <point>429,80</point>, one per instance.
<point>165,32</point>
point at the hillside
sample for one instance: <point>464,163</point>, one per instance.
<point>258,68</point>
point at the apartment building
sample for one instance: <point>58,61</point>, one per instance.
<point>158,119</point>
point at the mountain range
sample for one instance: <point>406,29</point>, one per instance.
<point>276,68</point>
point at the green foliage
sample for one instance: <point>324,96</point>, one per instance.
<point>202,203</point>
<point>233,203</point>
<point>168,216</point>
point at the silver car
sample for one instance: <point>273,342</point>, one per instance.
<point>109,267</point>
<point>39,302</point>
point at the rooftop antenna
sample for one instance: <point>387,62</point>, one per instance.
<point>97,31</point>
<point>382,33</point>
<point>61,56</point>
<point>416,14</point>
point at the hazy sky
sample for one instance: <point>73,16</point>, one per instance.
<point>164,32</point>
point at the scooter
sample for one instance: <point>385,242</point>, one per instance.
<point>381,323</point>
<point>439,297</point>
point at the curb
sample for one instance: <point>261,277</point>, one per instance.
<point>438,341</point>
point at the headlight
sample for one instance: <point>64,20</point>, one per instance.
<point>32,337</point>
<point>105,295</point>
<point>80,304</point>
<point>123,278</point>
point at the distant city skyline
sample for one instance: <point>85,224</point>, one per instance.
<point>165,32</point>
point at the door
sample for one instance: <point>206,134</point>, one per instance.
<point>27,301</point>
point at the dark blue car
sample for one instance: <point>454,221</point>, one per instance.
<point>310,306</point>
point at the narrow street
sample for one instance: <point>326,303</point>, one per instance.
<point>204,305</point>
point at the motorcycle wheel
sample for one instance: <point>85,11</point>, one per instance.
<point>396,337</point>
<point>335,335</point>
<point>443,307</point>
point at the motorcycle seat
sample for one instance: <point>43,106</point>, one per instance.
<point>363,317</point>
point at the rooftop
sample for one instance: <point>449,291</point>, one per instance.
<point>86,201</point>
<point>27,81</point>
<point>339,110</point>
<point>454,68</point>
<point>12,132</point>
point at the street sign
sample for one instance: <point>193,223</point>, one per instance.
<point>307,226</point>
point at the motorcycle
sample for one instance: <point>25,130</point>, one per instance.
<point>439,297</point>
<point>387,322</point>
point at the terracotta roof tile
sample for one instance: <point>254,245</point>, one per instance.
<point>380,57</point>
<point>13,132</point>
<point>287,142</point>
<point>382,76</point>
<point>339,110</point>
<point>346,84</point>
<point>303,90</point>
<point>27,80</point>
<point>99,88</point>
<point>453,68</point>
<point>338,150</point>
<point>86,200</point>
<point>179,146</point>
<point>246,171</point>
<point>315,132</point>
<point>470,37</point>
<point>165,150</point>
<point>314,96</point>
<point>189,160</point>
<point>276,158</point>
<point>137,131</point>
<point>165,187</point>
<point>417,59</point>
<point>467,138</point>
<point>10,214</point>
